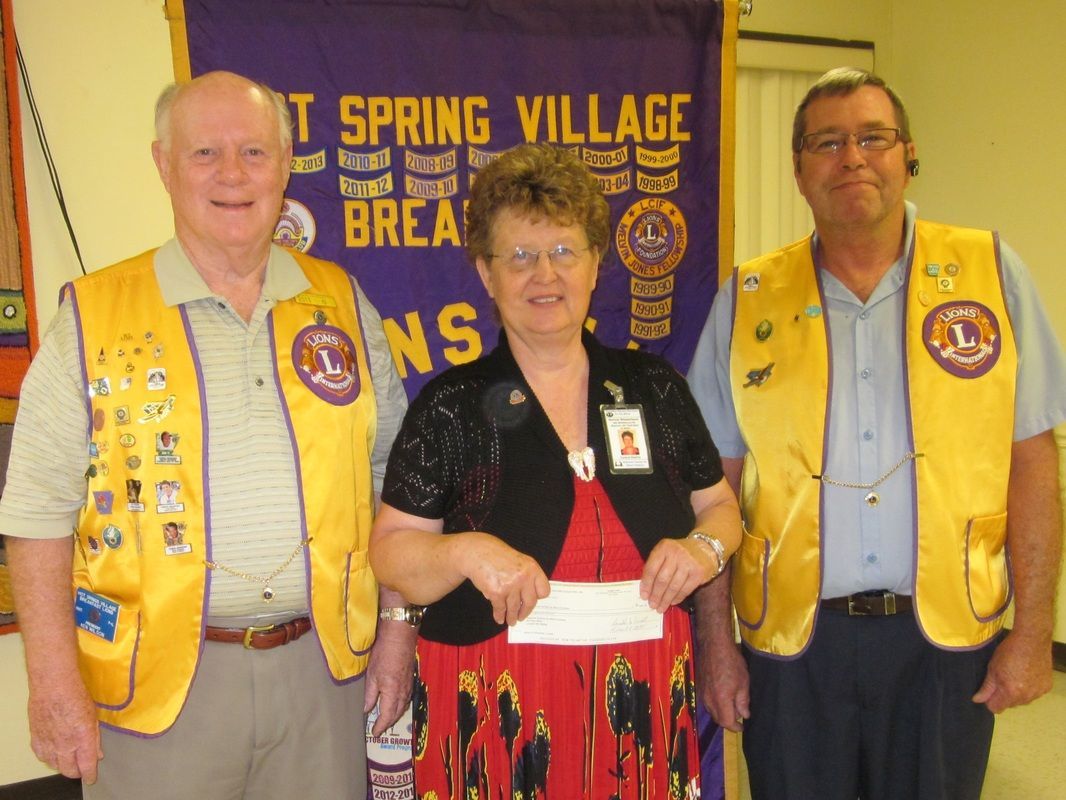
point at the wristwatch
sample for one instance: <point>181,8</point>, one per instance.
<point>715,545</point>
<point>412,615</point>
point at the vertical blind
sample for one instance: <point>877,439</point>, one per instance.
<point>772,78</point>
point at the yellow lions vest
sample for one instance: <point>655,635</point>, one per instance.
<point>960,377</point>
<point>141,585</point>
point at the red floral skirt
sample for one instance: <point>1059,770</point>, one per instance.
<point>497,721</point>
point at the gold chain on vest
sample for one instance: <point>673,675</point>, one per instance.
<point>268,592</point>
<point>872,498</point>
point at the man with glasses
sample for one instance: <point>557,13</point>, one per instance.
<point>882,393</point>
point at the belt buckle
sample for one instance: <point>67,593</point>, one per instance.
<point>886,605</point>
<point>251,631</point>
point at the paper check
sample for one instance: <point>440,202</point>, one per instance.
<point>589,613</point>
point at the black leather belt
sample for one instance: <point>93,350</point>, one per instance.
<point>871,604</point>
<point>260,637</point>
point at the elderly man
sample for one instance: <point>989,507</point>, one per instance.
<point>882,393</point>
<point>225,661</point>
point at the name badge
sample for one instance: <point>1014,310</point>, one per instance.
<point>95,614</point>
<point>626,435</point>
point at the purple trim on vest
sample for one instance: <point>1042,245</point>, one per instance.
<point>295,458</point>
<point>908,270</point>
<point>969,595</point>
<point>205,426</point>
<point>825,444</point>
<point>733,312</point>
<point>69,289</point>
<point>132,672</point>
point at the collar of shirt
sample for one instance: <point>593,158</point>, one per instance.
<point>890,283</point>
<point>180,282</point>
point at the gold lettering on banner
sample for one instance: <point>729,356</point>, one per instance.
<point>414,121</point>
<point>316,162</point>
<point>438,164</point>
<point>410,346</point>
<point>617,183</point>
<point>372,187</point>
<point>649,330</point>
<point>410,222</point>
<point>605,159</point>
<point>657,184</point>
<point>478,158</point>
<point>658,159</point>
<point>647,118</point>
<point>301,101</point>
<point>653,310</point>
<point>442,187</point>
<point>660,288</point>
<point>446,320</point>
<point>364,162</point>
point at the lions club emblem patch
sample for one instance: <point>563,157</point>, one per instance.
<point>324,358</point>
<point>963,337</point>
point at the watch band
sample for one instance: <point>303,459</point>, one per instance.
<point>412,615</point>
<point>715,545</point>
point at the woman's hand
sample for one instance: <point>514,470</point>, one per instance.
<point>675,568</point>
<point>512,581</point>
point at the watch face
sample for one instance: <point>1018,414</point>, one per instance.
<point>413,615</point>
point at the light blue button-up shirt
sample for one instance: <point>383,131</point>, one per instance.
<point>871,546</point>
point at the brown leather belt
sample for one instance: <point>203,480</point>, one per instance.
<point>261,637</point>
<point>870,604</point>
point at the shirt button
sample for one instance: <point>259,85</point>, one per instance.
<point>872,558</point>
<point>867,435</point>
<point>258,381</point>
<point>864,315</point>
<point>222,306</point>
<point>865,373</point>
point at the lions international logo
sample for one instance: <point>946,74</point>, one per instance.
<point>324,358</point>
<point>963,337</point>
<point>296,226</point>
<point>651,238</point>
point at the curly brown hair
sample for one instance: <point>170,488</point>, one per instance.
<point>541,181</point>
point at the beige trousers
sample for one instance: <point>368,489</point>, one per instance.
<point>257,725</point>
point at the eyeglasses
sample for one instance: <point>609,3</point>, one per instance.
<point>827,144</point>
<point>560,256</point>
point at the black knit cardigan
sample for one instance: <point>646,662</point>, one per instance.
<point>477,451</point>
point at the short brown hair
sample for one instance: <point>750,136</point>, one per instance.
<point>541,181</point>
<point>842,81</point>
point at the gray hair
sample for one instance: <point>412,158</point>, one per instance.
<point>843,81</point>
<point>170,95</point>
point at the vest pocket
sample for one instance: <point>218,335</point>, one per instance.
<point>987,566</point>
<point>749,579</point>
<point>107,666</point>
<point>360,602</point>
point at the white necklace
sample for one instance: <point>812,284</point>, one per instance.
<point>583,463</point>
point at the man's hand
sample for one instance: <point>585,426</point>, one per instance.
<point>722,677</point>
<point>63,729</point>
<point>390,673</point>
<point>1019,672</point>
<point>64,733</point>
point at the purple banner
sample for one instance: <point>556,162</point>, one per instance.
<point>398,103</point>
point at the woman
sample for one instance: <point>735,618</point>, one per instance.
<point>501,456</point>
